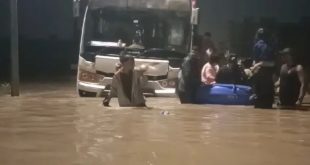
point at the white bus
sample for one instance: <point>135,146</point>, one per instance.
<point>163,28</point>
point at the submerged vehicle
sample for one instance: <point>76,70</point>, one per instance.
<point>161,28</point>
<point>225,94</point>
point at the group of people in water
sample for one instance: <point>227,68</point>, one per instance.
<point>204,67</point>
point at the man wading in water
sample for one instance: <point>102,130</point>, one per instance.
<point>263,79</point>
<point>292,81</point>
<point>127,84</point>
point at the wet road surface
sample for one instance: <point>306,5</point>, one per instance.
<point>50,125</point>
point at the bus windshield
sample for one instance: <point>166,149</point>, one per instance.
<point>152,29</point>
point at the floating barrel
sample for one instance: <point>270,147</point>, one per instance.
<point>224,94</point>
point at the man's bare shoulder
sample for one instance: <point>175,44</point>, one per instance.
<point>299,68</point>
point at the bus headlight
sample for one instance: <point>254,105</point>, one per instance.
<point>164,83</point>
<point>171,83</point>
<point>89,76</point>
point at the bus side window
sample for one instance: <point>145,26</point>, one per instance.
<point>176,33</point>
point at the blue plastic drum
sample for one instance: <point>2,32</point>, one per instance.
<point>224,94</point>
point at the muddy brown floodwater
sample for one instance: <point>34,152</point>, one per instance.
<point>50,125</point>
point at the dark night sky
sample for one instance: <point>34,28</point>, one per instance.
<point>40,18</point>
<point>43,18</point>
<point>215,14</point>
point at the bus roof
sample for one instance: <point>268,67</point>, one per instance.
<point>174,5</point>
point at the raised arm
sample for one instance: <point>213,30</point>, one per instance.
<point>145,67</point>
<point>302,90</point>
<point>256,67</point>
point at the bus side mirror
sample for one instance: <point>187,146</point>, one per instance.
<point>194,18</point>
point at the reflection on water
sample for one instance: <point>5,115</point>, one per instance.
<point>53,127</point>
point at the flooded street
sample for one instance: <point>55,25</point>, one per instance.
<point>50,125</point>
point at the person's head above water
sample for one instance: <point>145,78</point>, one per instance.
<point>127,61</point>
<point>214,59</point>
<point>233,60</point>
<point>247,63</point>
<point>287,56</point>
<point>260,34</point>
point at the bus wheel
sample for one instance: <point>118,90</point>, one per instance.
<point>86,94</point>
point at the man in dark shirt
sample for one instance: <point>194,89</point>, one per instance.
<point>189,77</point>
<point>231,73</point>
<point>263,55</point>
